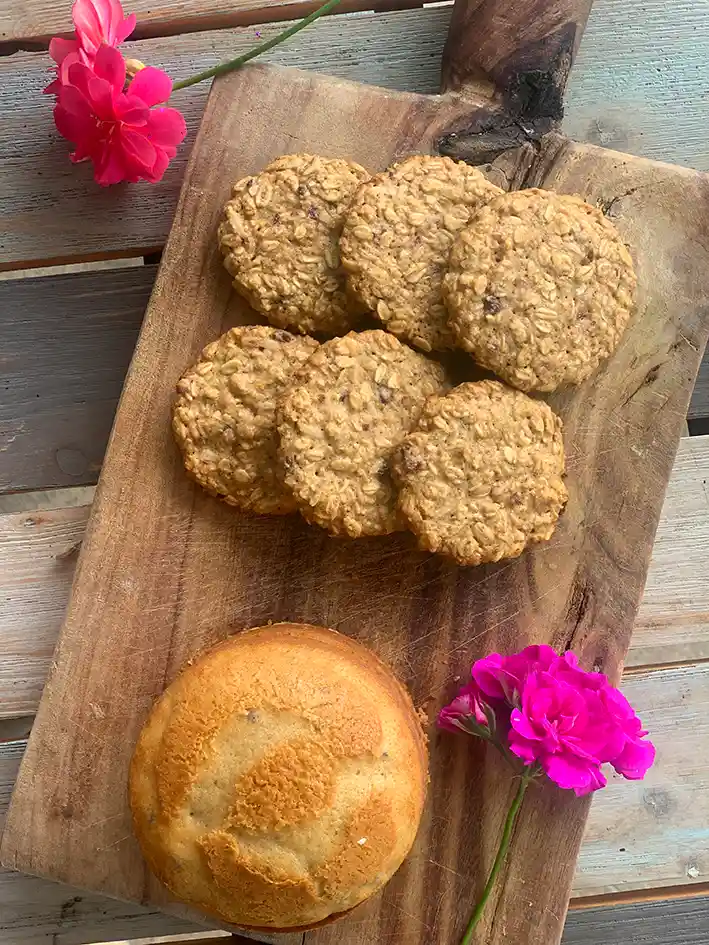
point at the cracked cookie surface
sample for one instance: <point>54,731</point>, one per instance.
<point>540,289</point>
<point>224,415</point>
<point>279,238</point>
<point>480,477</point>
<point>396,241</point>
<point>340,422</point>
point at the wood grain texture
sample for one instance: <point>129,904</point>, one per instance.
<point>39,550</point>
<point>34,21</point>
<point>656,830</point>
<point>660,59</point>
<point>424,616</point>
<point>54,210</point>
<point>637,55</point>
<point>66,343</point>
<point>699,404</point>
<point>523,50</point>
<point>674,922</point>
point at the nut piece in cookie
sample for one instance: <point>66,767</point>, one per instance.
<point>397,238</point>
<point>540,289</point>
<point>279,241</point>
<point>340,422</point>
<point>481,476</point>
<point>224,415</point>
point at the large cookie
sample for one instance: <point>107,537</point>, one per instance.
<point>540,289</point>
<point>224,415</point>
<point>340,423</point>
<point>279,240</point>
<point>481,476</point>
<point>397,238</point>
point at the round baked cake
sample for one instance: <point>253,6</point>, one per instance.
<point>279,780</point>
<point>279,238</point>
<point>397,237</point>
<point>224,415</point>
<point>339,423</point>
<point>540,289</point>
<point>481,476</point>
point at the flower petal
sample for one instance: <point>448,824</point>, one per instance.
<point>109,170</point>
<point>73,116</point>
<point>166,128</point>
<point>573,773</point>
<point>152,85</point>
<point>110,65</point>
<point>139,155</point>
<point>635,759</point>
<point>131,110</point>
<point>88,25</point>
<point>125,28</point>
<point>60,48</point>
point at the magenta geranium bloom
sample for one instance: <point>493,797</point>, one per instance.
<point>118,131</point>
<point>97,23</point>
<point>553,716</point>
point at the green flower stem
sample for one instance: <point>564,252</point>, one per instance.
<point>500,858</point>
<point>232,64</point>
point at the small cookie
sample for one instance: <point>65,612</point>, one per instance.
<point>397,237</point>
<point>481,476</point>
<point>340,423</point>
<point>540,289</point>
<point>279,240</point>
<point>223,418</point>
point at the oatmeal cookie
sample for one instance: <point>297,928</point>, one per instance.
<point>481,476</point>
<point>397,237</point>
<point>339,423</point>
<point>223,417</point>
<point>540,289</point>
<point>279,240</point>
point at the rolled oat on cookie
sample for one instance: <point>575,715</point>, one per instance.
<point>540,289</point>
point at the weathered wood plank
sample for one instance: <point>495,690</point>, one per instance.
<point>38,552</point>
<point>650,834</point>
<point>53,210</point>
<point>33,22</point>
<point>668,922</point>
<point>672,624</point>
<point>699,405</point>
<point>637,57</point>
<point>654,833</point>
<point>66,343</point>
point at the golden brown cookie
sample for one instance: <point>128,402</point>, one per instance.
<point>540,289</point>
<point>340,423</point>
<point>224,415</point>
<point>397,237</point>
<point>279,780</point>
<point>481,476</point>
<point>279,240</point>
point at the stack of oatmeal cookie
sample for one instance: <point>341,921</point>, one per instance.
<point>361,433</point>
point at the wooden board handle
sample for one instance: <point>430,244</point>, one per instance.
<point>523,49</point>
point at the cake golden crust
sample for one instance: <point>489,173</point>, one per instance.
<point>280,779</point>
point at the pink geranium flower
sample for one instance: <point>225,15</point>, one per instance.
<point>119,131</point>
<point>97,23</point>
<point>553,716</point>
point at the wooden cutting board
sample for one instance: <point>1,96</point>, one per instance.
<point>166,571</point>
